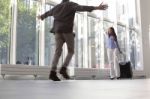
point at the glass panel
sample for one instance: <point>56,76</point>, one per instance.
<point>79,40</point>
<point>49,39</point>
<point>27,35</point>
<point>92,44</point>
<point>75,57</point>
<point>110,13</point>
<point>121,10</point>
<point>132,48</point>
<point>135,50</point>
<point>5,19</point>
<point>122,40</point>
<point>132,13</point>
<point>57,1</point>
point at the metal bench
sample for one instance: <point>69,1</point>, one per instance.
<point>20,69</point>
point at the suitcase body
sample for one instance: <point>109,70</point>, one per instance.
<point>125,70</point>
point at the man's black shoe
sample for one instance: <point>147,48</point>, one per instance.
<point>63,72</point>
<point>118,78</point>
<point>53,76</point>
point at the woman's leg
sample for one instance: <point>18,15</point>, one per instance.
<point>111,62</point>
<point>116,63</point>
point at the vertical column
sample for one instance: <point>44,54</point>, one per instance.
<point>13,35</point>
<point>85,43</point>
<point>42,36</point>
<point>102,44</point>
<point>127,31</point>
<point>149,33</point>
<point>138,15</point>
<point>85,39</point>
<point>145,22</point>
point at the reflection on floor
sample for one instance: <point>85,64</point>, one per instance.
<point>75,89</point>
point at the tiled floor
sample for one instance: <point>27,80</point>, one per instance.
<point>75,89</point>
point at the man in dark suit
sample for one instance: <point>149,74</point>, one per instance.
<point>64,14</point>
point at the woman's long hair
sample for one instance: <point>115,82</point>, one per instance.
<point>113,33</point>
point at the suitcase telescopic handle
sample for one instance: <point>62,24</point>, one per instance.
<point>123,57</point>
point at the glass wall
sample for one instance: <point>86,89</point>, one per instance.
<point>79,34</point>
<point>93,52</point>
<point>122,38</point>
<point>27,35</point>
<point>135,50</point>
<point>110,13</point>
<point>122,13</point>
<point>89,28</point>
<point>5,29</point>
<point>49,38</point>
<point>132,18</point>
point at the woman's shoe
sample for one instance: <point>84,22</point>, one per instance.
<point>112,78</point>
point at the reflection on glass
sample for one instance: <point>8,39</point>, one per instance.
<point>5,19</point>
<point>135,50</point>
<point>110,13</point>
<point>92,50</point>
<point>121,10</point>
<point>122,37</point>
<point>80,26</point>
<point>49,39</point>
<point>74,60</point>
<point>132,13</point>
<point>57,1</point>
<point>27,36</point>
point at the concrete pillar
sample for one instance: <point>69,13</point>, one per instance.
<point>145,24</point>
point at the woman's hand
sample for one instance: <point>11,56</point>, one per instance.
<point>120,52</point>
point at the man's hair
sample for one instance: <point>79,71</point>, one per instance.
<point>65,0</point>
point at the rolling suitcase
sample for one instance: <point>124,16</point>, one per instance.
<point>125,69</point>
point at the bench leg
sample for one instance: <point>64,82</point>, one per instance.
<point>74,77</point>
<point>93,77</point>
<point>3,75</point>
<point>35,76</point>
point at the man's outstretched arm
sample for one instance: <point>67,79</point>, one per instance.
<point>102,7</point>
<point>90,8</point>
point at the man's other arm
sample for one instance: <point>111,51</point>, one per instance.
<point>46,14</point>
